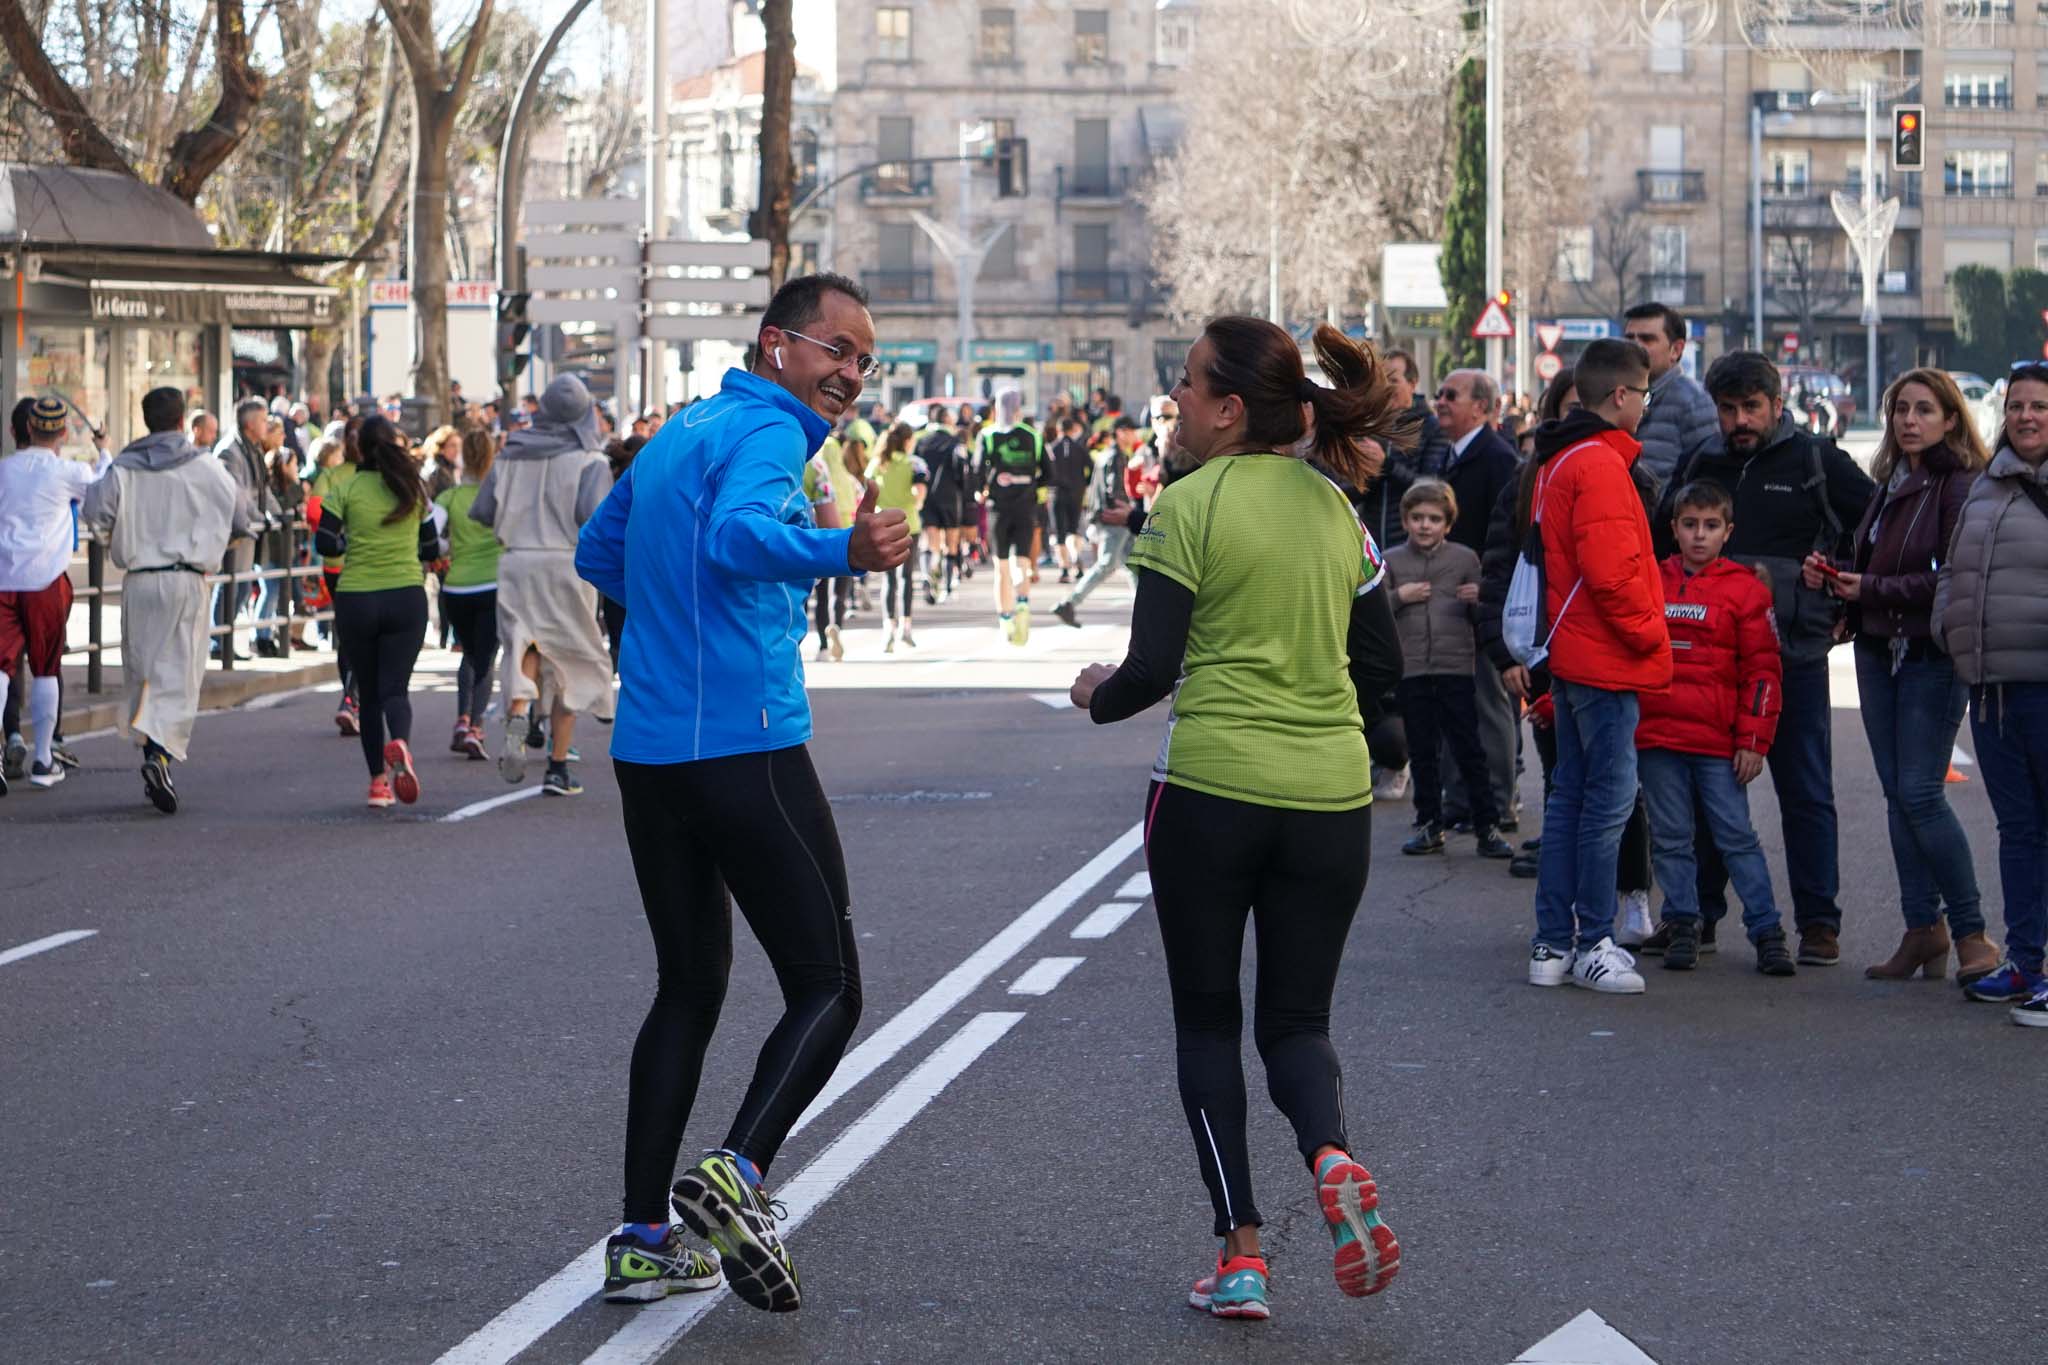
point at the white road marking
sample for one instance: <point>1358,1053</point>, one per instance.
<point>1058,701</point>
<point>1137,888</point>
<point>1042,976</point>
<point>1585,1340</point>
<point>654,1328</point>
<point>43,945</point>
<point>1105,919</point>
<point>1960,759</point>
<point>526,1321</point>
<point>476,808</point>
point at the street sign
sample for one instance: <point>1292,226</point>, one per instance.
<point>751,292</point>
<point>734,327</point>
<point>1548,334</point>
<point>1493,323</point>
<point>1547,366</point>
<point>748,255</point>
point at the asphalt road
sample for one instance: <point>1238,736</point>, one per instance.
<point>329,1084</point>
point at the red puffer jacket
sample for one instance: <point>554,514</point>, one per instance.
<point>1597,554</point>
<point>1726,675</point>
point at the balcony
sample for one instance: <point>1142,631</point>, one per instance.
<point>1841,284</point>
<point>1977,189</point>
<point>1976,99</point>
<point>896,182</point>
<point>1085,288</point>
<point>897,286</point>
<point>1676,290</point>
<point>1661,188</point>
<point>1805,114</point>
<point>1092,182</point>
<point>1809,204</point>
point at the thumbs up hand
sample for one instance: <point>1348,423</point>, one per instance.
<point>881,539</point>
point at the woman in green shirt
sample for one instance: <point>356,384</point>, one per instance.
<point>901,479</point>
<point>469,591</point>
<point>380,601</point>
<point>1260,609</point>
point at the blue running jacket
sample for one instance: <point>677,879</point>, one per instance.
<point>709,542</point>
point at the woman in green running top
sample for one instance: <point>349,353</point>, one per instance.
<point>1260,609</point>
<point>469,591</point>
<point>901,479</point>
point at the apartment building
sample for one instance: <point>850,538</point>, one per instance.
<point>1064,297</point>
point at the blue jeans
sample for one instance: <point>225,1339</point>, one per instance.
<point>1673,783</point>
<point>1911,717</point>
<point>1591,793</point>
<point>1802,766</point>
<point>2009,722</point>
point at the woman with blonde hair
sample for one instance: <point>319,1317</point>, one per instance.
<point>1911,700</point>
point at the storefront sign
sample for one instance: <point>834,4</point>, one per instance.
<point>1015,352</point>
<point>276,308</point>
<point>127,303</point>
<point>461,293</point>
<point>187,304</point>
<point>908,352</point>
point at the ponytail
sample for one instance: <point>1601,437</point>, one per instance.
<point>380,448</point>
<point>1261,364</point>
<point>1358,408</point>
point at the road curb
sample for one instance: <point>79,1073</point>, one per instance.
<point>221,688</point>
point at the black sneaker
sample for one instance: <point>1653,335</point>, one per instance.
<point>156,780</point>
<point>1707,928</point>
<point>61,751</point>
<point>1511,825</point>
<point>1428,838</point>
<point>1065,611</point>
<point>1461,826</point>
<point>560,781</point>
<point>536,736</point>
<point>1532,845</point>
<point>1526,864</point>
<point>1773,958</point>
<point>635,1272</point>
<point>1491,845</point>
<point>46,774</point>
<point>1682,949</point>
<point>2032,1012</point>
<point>717,1204</point>
<point>1655,944</point>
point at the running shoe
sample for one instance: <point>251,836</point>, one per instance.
<point>61,751</point>
<point>1367,1254</point>
<point>458,743</point>
<point>156,780</point>
<point>1236,1289</point>
<point>834,643</point>
<point>405,783</point>
<point>346,718</point>
<point>635,1272</point>
<point>1065,611</point>
<point>473,742</point>
<point>380,793</point>
<point>536,733</point>
<point>560,782</point>
<point>1633,925</point>
<point>512,750</point>
<point>738,1219</point>
<point>15,764</point>
<point>908,639</point>
<point>1021,623</point>
<point>2008,984</point>
<point>46,774</point>
<point>2032,1012</point>
<point>889,642</point>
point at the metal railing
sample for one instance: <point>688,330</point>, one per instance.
<point>1818,192</point>
<point>897,180</point>
<point>1092,182</point>
<point>1671,187</point>
<point>1677,290</point>
<point>97,591</point>
<point>1977,189</point>
<point>1976,99</point>
<point>897,286</point>
<point>1094,286</point>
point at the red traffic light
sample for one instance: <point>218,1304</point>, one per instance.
<point>1908,122</point>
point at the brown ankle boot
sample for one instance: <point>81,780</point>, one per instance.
<point>1976,958</point>
<point>1920,950</point>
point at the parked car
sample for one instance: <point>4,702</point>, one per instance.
<point>918,411</point>
<point>1983,400</point>
<point>1826,406</point>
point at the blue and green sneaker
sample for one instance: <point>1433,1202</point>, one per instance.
<point>635,1272</point>
<point>1367,1254</point>
<point>1236,1290</point>
<point>738,1219</point>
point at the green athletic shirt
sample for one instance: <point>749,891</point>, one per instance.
<point>324,484</point>
<point>897,478</point>
<point>473,547</point>
<point>1265,712</point>
<point>379,555</point>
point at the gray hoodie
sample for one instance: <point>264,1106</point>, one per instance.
<point>550,477</point>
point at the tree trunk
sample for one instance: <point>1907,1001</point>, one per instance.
<point>427,248</point>
<point>770,219</point>
<point>83,141</point>
<point>197,152</point>
<point>319,362</point>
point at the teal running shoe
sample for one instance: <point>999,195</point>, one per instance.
<point>1236,1290</point>
<point>635,1272</point>
<point>1367,1254</point>
<point>738,1219</point>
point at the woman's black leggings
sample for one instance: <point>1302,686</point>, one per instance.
<point>341,670</point>
<point>1299,875</point>
<point>382,633</point>
<point>474,618</point>
<point>828,603</point>
<point>897,593</point>
<point>756,827</point>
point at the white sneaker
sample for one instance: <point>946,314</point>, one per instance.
<point>1604,967</point>
<point>1393,786</point>
<point>909,640</point>
<point>833,642</point>
<point>1548,967</point>
<point>1633,925</point>
<point>889,641</point>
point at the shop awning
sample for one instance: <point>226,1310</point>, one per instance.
<point>241,294</point>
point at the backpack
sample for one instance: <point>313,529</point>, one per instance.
<point>1521,615</point>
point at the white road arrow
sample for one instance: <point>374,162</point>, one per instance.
<point>1585,1340</point>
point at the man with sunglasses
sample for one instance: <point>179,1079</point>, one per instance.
<point>709,541</point>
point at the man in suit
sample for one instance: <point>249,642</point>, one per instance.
<point>1481,464</point>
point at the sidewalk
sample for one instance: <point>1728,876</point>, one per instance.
<point>85,711</point>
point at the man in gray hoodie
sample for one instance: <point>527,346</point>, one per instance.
<point>546,483</point>
<point>168,515</point>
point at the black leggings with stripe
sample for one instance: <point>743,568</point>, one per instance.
<point>1298,875</point>
<point>755,827</point>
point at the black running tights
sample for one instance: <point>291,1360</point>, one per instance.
<point>1299,876</point>
<point>755,827</point>
<point>474,617</point>
<point>382,633</point>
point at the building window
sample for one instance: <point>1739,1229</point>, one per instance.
<point>892,34</point>
<point>997,129</point>
<point>896,246</point>
<point>2041,253</point>
<point>1786,173</point>
<point>2041,172</point>
<point>1667,45</point>
<point>1667,147</point>
<point>1091,156</point>
<point>1001,261</point>
<point>725,170</point>
<point>1091,37</point>
<point>1173,37</point>
<point>1667,250</point>
<point>1091,246</point>
<point>803,156</point>
<point>1852,173</point>
<point>1575,255</point>
<point>1987,87</point>
<point>1790,82</point>
<point>803,259</point>
<point>999,36</point>
<point>893,150</point>
<point>1977,171</point>
<point>1981,9</point>
<point>1788,261</point>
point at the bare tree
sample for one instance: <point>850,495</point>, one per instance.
<point>770,219</point>
<point>440,82</point>
<point>1621,250</point>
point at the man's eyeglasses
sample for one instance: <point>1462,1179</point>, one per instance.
<point>868,366</point>
<point>1449,395</point>
<point>1643,389</point>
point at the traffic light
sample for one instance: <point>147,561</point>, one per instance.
<point>1505,298</point>
<point>1013,168</point>
<point>512,332</point>
<point>1909,146</point>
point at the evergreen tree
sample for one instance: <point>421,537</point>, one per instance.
<point>1464,261</point>
<point>1977,298</point>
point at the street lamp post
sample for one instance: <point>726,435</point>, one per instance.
<point>1494,180</point>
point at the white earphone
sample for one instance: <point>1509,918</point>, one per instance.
<point>778,357</point>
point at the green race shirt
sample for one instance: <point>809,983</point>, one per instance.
<point>380,555</point>
<point>897,478</point>
<point>473,547</point>
<point>1265,712</point>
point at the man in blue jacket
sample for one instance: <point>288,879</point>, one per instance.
<point>708,540</point>
<point>1681,425</point>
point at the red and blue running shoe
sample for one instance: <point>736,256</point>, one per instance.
<point>1236,1290</point>
<point>1367,1254</point>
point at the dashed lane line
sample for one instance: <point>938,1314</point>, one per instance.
<point>1137,888</point>
<point>43,945</point>
<point>476,808</point>
<point>1044,976</point>
<point>1105,919</point>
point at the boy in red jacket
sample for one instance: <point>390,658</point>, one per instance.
<point>1607,645</point>
<point>1704,741</point>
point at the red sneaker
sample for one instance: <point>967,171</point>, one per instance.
<point>380,792</point>
<point>404,781</point>
<point>346,720</point>
<point>457,743</point>
<point>473,742</point>
<point>1367,1256</point>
